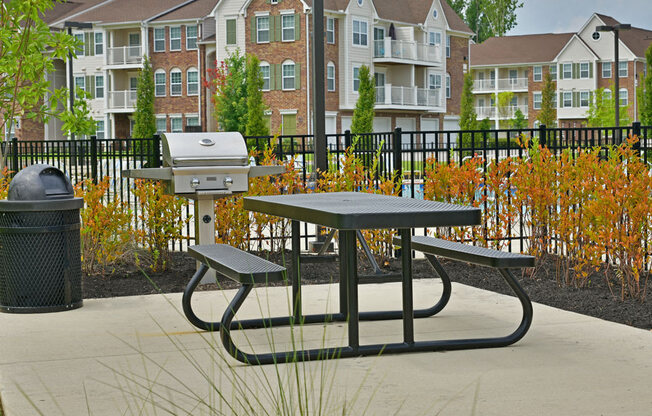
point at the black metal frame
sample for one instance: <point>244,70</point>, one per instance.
<point>349,311</point>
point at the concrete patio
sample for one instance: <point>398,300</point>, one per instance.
<point>117,356</point>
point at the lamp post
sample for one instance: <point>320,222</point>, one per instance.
<point>77,25</point>
<point>615,28</point>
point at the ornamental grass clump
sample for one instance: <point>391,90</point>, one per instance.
<point>105,226</point>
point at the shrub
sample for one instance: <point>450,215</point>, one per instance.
<point>162,221</point>
<point>105,226</point>
<point>5,179</point>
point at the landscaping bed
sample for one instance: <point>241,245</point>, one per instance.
<point>127,279</point>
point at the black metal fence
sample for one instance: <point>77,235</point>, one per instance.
<point>399,152</point>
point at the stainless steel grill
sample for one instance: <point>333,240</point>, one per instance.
<point>203,167</point>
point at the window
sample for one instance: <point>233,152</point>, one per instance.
<point>288,75</point>
<point>584,98</point>
<point>360,32</point>
<point>553,72</point>
<point>434,81</point>
<point>606,94</point>
<point>360,3</point>
<point>289,124</point>
<point>175,38</point>
<point>536,100</point>
<point>192,120</point>
<point>265,73</point>
<point>330,76</point>
<point>448,86</point>
<point>330,30</point>
<point>159,83</point>
<point>262,29</point>
<point>622,69</point>
<point>192,81</point>
<point>191,37</point>
<point>584,70</point>
<point>356,78</point>
<point>79,37</point>
<point>159,39</point>
<point>133,84</point>
<point>537,73</point>
<point>99,86</point>
<point>175,82</point>
<point>567,97</point>
<point>99,43</point>
<point>554,100</point>
<point>567,71</point>
<point>595,35</point>
<point>448,46</point>
<point>623,95</point>
<point>161,125</point>
<point>80,82</point>
<point>177,124</point>
<point>606,70</point>
<point>513,102</point>
<point>99,129</point>
<point>231,33</point>
<point>287,27</point>
<point>434,38</point>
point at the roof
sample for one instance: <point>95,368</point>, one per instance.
<point>63,9</point>
<point>519,49</point>
<point>332,5</point>
<point>455,22</point>
<point>195,10</point>
<point>636,39</point>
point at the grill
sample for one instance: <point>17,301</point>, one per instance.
<point>204,167</point>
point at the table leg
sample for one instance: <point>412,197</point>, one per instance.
<point>342,255</point>
<point>296,274</point>
<point>408,305</point>
<point>349,267</point>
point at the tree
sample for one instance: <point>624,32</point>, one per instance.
<point>548,114</point>
<point>144,118</point>
<point>78,121</point>
<point>504,104</point>
<point>468,117</point>
<point>601,112</point>
<point>646,91</point>
<point>500,14</point>
<point>24,65</point>
<point>457,5</point>
<point>363,115</point>
<point>477,21</point>
<point>519,122</point>
<point>230,96</point>
<point>255,106</point>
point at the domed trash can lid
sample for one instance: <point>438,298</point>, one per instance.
<point>40,182</point>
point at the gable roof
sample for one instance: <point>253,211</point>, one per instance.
<point>578,39</point>
<point>455,22</point>
<point>332,5</point>
<point>65,9</point>
<point>636,39</point>
<point>196,10</point>
<point>416,12</point>
<point>519,49</point>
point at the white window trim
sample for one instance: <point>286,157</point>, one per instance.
<point>626,69</point>
<point>226,35</point>
<point>563,66</point>
<point>97,77</point>
<point>154,39</point>
<point>176,71</point>
<point>294,65</point>
<point>534,73</point>
<point>266,64</point>
<point>588,101</point>
<point>366,22</point>
<point>448,46</point>
<point>165,75</point>
<point>447,85</point>
<point>588,70</point>
<point>288,112</point>
<point>294,27</point>
<point>621,90</point>
<point>191,69</point>
<point>196,37</point>
<point>353,68</point>
<point>331,65</point>
<point>95,44</point>
<point>171,39</point>
<point>330,19</point>
<point>563,99</point>
<point>81,51</point>
<point>269,29</point>
<point>611,70</point>
<point>534,101</point>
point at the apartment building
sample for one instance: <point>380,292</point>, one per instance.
<point>417,51</point>
<point>579,62</point>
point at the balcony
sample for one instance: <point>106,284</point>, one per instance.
<point>122,101</point>
<point>508,113</point>
<point>125,56</point>
<point>401,51</point>
<point>481,86</point>
<point>409,98</point>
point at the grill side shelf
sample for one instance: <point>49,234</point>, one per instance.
<point>161,174</point>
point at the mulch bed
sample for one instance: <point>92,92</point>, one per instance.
<point>596,299</point>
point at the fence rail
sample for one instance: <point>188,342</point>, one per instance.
<point>402,153</point>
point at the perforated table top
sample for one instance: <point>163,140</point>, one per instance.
<point>358,210</point>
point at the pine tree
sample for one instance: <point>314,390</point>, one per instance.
<point>363,115</point>
<point>548,113</point>
<point>144,118</point>
<point>255,106</point>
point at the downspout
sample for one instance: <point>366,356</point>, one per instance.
<point>199,73</point>
<point>307,40</point>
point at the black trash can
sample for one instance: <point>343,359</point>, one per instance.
<point>40,255</point>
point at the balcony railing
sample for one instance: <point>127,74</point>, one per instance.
<point>124,55</point>
<point>504,84</point>
<point>406,50</point>
<point>407,96</point>
<point>490,112</point>
<point>122,100</point>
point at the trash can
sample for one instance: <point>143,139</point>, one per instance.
<point>40,256</point>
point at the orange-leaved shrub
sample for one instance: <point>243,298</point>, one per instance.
<point>5,179</point>
<point>161,216</point>
<point>105,226</point>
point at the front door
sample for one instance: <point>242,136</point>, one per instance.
<point>379,42</point>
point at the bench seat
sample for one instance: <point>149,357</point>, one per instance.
<point>470,254</point>
<point>237,265</point>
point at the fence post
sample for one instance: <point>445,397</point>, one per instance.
<point>156,151</point>
<point>347,139</point>
<point>94,160</point>
<point>542,134</point>
<point>398,158</point>
<point>636,131</point>
<point>14,155</point>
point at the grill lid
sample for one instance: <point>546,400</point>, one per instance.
<point>204,149</point>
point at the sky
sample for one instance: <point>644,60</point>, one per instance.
<point>558,16</point>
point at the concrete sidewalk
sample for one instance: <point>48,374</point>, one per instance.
<point>118,356</point>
